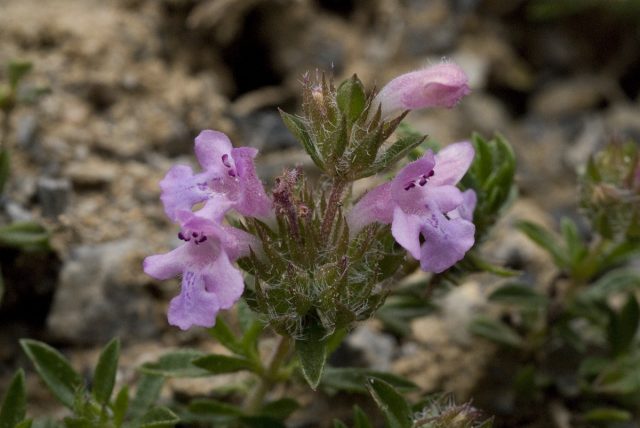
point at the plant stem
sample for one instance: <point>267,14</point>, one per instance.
<point>4,129</point>
<point>332,207</point>
<point>254,401</point>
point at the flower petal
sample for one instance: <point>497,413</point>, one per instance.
<point>441,85</point>
<point>168,265</point>
<point>452,163</point>
<point>181,190</point>
<point>254,202</point>
<point>445,198</point>
<point>406,231</point>
<point>224,280</point>
<point>413,171</point>
<point>194,305</point>
<point>210,147</point>
<point>375,206</point>
<point>446,242</point>
<point>466,208</point>
<point>236,243</point>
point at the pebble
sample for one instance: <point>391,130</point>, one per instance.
<point>54,195</point>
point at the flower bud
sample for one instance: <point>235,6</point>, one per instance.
<point>610,190</point>
<point>441,85</point>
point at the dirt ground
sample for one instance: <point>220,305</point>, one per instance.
<point>131,82</point>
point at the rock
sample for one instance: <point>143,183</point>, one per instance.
<point>591,136</point>
<point>566,97</point>
<point>430,28</point>
<point>54,195</point>
<point>27,131</point>
<point>485,114</point>
<point>98,296</point>
<point>510,247</point>
<point>623,119</point>
<point>436,362</point>
<point>377,348</point>
<point>92,172</point>
<point>17,212</point>
<point>265,131</point>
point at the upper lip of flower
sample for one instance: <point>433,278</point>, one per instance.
<point>227,181</point>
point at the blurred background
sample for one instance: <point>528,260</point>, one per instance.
<point>130,83</point>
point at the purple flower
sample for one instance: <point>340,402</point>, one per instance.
<point>422,200</point>
<point>441,85</point>
<point>228,181</point>
<point>209,280</point>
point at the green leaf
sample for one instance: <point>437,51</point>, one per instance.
<point>339,424</point>
<point>576,247</point>
<point>397,151</point>
<point>545,240</point>
<point>351,98</point>
<point>619,254</point>
<point>623,326</point>
<point>5,168</point>
<point>223,334</point>
<point>218,364</point>
<point>354,379</point>
<point>261,422</point>
<point>246,316</point>
<point>27,235</point>
<point>360,419</point>
<point>54,370</point>
<point>481,265</point>
<point>280,409</point>
<point>120,406</point>
<point>149,387</point>
<point>25,424</point>
<point>78,422</point>
<point>47,423</point>
<point>607,414</point>
<point>104,377</point>
<point>214,408</point>
<point>395,409</point>
<point>496,331</point>
<point>14,403</point>
<point>7,98</point>
<point>617,281</point>
<point>519,295</point>
<point>312,354</point>
<point>177,363</point>
<point>620,377</point>
<point>158,417</point>
<point>299,130</point>
<point>17,70</point>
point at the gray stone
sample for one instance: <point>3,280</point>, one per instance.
<point>265,131</point>
<point>96,298</point>
<point>54,195</point>
<point>377,348</point>
<point>27,131</point>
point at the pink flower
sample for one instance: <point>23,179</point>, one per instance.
<point>228,181</point>
<point>209,280</point>
<point>441,85</point>
<point>423,201</point>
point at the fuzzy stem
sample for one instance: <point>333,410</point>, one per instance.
<point>332,207</point>
<point>254,401</point>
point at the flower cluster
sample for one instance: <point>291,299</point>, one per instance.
<point>423,201</point>
<point>315,266</point>
<point>210,282</point>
